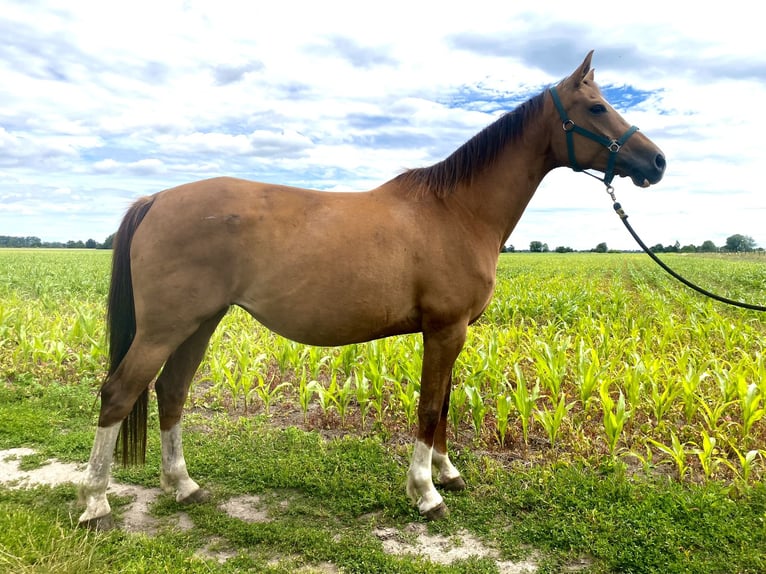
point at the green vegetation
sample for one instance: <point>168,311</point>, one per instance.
<point>600,411</point>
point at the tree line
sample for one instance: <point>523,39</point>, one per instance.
<point>32,241</point>
<point>736,243</point>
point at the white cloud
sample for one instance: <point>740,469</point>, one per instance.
<point>111,103</point>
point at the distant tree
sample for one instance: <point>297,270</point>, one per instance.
<point>675,248</point>
<point>536,246</point>
<point>738,243</point>
<point>657,248</point>
<point>75,244</point>
<point>601,248</point>
<point>545,248</point>
<point>91,244</point>
<point>562,249</point>
<point>107,244</point>
<point>9,241</point>
<point>708,247</point>
<point>691,248</point>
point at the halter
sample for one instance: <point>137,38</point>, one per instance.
<point>613,145</point>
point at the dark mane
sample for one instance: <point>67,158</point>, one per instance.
<point>481,150</point>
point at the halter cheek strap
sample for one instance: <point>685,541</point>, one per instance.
<point>613,145</point>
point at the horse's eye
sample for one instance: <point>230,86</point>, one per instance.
<point>598,109</point>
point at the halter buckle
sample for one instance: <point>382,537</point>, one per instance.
<point>614,146</point>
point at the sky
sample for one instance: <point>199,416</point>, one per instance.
<point>102,102</point>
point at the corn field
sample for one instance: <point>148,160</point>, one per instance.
<point>579,358</point>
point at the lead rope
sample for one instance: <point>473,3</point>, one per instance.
<point>624,217</point>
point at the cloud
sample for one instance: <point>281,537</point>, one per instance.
<point>355,53</point>
<point>231,73</point>
<point>110,103</point>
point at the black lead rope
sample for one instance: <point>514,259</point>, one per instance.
<point>624,217</point>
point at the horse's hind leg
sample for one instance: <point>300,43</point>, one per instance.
<point>172,389</point>
<point>118,395</point>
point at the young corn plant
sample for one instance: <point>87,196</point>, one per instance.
<point>551,363</point>
<point>663,395</point>
<point>747,462</point>
<point>346,394</point>
<point>707,453</point>
<point>524,400</point>
<point>407,394</point>
<point>635,377</point>
<point>268,392</point>
<point>615,415</point>
<point>306,391</point>
<point>750,405</point>
<point>712,413</point>
<point>477,407</point>
<point>676,451</point>
<point>551,419</point>
<point>458,400</point>
<point>588,370</point>
<point>503,407</point>
<point>362,393</point>
<point>693,376</point>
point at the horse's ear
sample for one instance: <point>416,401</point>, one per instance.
<point>581,73</point>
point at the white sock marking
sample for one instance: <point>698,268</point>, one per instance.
<point>420,486</point>
<point>93,487</point>
<point>447,471</point>
<point>174,476</point>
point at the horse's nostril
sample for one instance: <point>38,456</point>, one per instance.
<point>659,162</point>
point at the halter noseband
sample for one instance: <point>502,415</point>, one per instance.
<point>613,145</point>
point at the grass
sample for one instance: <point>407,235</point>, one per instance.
<point>642,405</point>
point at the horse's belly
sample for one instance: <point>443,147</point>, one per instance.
<point>326,322</point>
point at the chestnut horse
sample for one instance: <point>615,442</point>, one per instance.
<point>417,254</point>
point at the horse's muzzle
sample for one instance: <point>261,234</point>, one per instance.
<point>646,173</point>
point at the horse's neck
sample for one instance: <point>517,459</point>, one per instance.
<point>498,196</point>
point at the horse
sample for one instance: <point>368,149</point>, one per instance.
<point>418,254</point>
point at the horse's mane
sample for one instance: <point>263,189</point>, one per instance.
<point>441,179</point>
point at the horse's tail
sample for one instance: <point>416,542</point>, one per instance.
<point>121,327</point>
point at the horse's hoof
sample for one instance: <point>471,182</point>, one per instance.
<point>453,484</point>
<point>98,524</point>
<point>438,512</point>
<point>199,495</point>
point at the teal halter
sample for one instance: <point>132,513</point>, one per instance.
<point>613,145</point>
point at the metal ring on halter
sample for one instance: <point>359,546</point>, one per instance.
<point>614,146</point>
<point>568,125</point>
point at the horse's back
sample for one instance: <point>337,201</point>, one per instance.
<point>319,267</point>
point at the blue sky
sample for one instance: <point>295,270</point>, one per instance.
<point>103,102</point>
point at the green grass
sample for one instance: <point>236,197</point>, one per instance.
<point>631,490</point>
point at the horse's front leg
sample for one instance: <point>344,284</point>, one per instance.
<point>441,348</point>
<point>449,476</point>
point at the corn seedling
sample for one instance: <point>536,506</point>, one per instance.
<point>677,453</point>
<point>477,408</point>
<point>524,400</point>
<point>551,419</point>
<point>707,453</point>
<point>615,416</point>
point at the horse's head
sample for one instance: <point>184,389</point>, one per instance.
<point>590,134</point>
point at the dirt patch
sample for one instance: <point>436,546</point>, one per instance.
<point>135,517</point>
<point>416,540</point>
<point>246,507</point>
